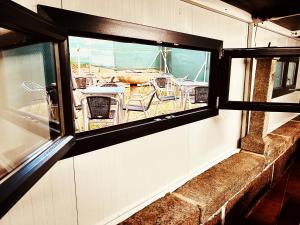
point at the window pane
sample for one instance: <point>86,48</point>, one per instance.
<point>278,74</point>
<point>28,95</point>
<point>260,85</point>
<point>117,82</point>
<point>291,73</point>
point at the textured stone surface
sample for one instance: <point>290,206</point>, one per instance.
<point>167,210</point>
<point>297,118</point>
<point>274,143</point>
<point>283,162</point>
<point>263,88</point>
<point>240,205</point>
<point>254,144</point>
<point>290,129</point>
<point>277,144</point>
<point>217,185</point>
<point>216,220</point>
<point>264,79</point>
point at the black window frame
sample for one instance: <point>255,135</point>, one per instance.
<point>228,55</point>
<point>15,184</point>
<point>284,89</point>
<point>89,26</point>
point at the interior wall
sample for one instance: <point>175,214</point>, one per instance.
<point>50,201</point>
<point>112,183</point>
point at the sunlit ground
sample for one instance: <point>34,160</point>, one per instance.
<point>163,108</point>
<point>104,75</point>
<point>167,107</point>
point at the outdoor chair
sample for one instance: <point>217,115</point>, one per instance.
<point>142,106</point>
<point>91,80</point>
<point>100,108</point>
<point>109,85</point>
<point>196,95</point>
<point>38,95</point>
<point>81,82</point>
<point>37,92</point>
<point>113,102</point>
<point>164,94</point>
<point>77,107</point>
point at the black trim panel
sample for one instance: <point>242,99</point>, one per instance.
<point>224,84</point>
<point>19,18</point>
<point>81,24</point>
<point>18,183</point>
<point>94,140</point>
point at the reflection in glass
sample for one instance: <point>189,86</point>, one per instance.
<point>278,74</point>
<point>134,81</point>
<point>28,97</point>
<point>291,73</point>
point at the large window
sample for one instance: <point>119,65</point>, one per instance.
<point>118,82</point>
<point>29,112</point>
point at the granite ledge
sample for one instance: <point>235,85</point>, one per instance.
<point>290,130</point>
<point>166,210</point>
<point>213,188</point>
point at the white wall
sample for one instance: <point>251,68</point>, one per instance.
<point>51,201</point>
<point>114,182</point>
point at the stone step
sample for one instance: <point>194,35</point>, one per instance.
<point>167,210</point>
<point>212,189</point>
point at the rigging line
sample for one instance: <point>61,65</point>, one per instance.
<point>256,25</point>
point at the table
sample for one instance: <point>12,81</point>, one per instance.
<point>103,91</point>
<point>188,84</point>
<point>133,79</point>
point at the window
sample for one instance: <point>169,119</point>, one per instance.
<point>259,79</point>
<point>35,133</point>
<point>285,76</point>
<point>118,82</point>
<point>131,80</point>
<point>29,112</point>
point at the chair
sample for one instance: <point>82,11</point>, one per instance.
<point>36,91</point>
<point>109,85</point>
<point>165,81</point>
<point>196,95</point>
<point>163,94</point>
<point>39,94</point>
<point>81,82</point>
<point>99,108</point>
<point>141,99</point>
<point>76,108</point>
<point>91,80</point>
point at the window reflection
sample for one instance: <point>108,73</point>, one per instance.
<point>291,73</point>
<point>28,97</point>
<point>278,74</point>
<point>131,81</point>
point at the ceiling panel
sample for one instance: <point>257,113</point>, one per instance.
<point>267,8</point>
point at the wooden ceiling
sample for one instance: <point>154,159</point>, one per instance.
<point>272,10</point>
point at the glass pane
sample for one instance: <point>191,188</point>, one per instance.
<point>117,82</point>
<point>278,74</point>
<point>266,77</point>
<point>28,95</point>
<point>291,73</point>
